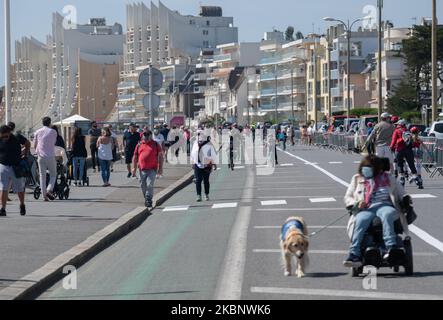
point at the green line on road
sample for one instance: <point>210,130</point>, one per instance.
<point>150,265</point>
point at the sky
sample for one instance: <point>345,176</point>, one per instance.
<point>252,17</point>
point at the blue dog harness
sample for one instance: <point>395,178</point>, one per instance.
<point>293,224</point>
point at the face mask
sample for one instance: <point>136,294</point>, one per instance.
<point>368,172</point>
<point>156,132</point>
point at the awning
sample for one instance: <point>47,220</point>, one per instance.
<point>72,120</point>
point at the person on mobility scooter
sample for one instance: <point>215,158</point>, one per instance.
<point>380,214</point>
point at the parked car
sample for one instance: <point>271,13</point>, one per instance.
<point>436,130</point>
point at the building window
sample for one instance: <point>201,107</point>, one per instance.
<point>208,23</point>
<point>205,32</point>
<point>205,44</point>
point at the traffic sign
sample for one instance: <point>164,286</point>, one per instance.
<point>155,101</point>
<point>144,80</point>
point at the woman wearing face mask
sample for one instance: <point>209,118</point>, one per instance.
<point>373,193</point>
<point>203,158</point>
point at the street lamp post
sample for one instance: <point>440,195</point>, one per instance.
<point>276,94</point>
<point>348,28</point>
<point>379,65</point>
<point>8,85</point>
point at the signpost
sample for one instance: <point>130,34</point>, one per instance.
<point>151,81</point>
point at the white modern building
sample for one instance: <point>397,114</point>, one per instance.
<point>47,77</point>
<point>159,37</point>
<point>363,44</point>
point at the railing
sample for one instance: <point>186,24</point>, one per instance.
<point>430,154</point>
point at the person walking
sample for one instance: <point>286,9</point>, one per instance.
<point>105,146</point>
<point>381,138</point>
<point>45,140</point>
<point>25,143</point>
<point>130,141</point>
<point>148,159</point>
<point>79,155</point>
<point>11,170</point>
<point>203,159</point>
<point>94,133</point>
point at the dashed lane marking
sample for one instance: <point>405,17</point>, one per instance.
<point>336,162</point>
<point>310,227</point>
<point>302,209</point>
<point>274,203</point>
<point>225,205</point>
<point>423,196</point>
<point>322,200</point>
<point>345,293</point>
<point>339,252</point>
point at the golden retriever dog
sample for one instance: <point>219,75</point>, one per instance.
<point>294,243</point>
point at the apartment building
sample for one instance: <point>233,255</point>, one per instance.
<point>363,43</point>
<point>223,68</point>
<point>159,37</point>
<point>283,80</point>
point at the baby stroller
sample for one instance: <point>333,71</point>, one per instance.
<point>61,188</point>
<point>83,175</point>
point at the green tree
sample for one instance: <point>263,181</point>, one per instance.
<point>403,98</point>
<point>417,51</point>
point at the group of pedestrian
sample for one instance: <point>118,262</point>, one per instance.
<point>392,139</point>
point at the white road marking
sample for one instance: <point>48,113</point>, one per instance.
<point>292,197</point>
<point>346,294</point>
<point>322,200</point>
<point>357,162</point>
<point>414,229</point>
<point>274,203</point>
<point>224,205</point>
<point>230,282</point>
<point>174,209</point>
<point>423,196</point>
<point>287,165</point>
<point>339,252</point>
<point>426,237</point>
<point>336,162</point>
<point>310,227</point>
<point>302,209</point>
<point>240,167</point>
<point>298,188</point>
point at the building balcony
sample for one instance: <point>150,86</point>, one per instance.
<point>126,86</point>
<point>126,98</point>
<point>282,91</point>
<point>335,74</point>
<point>336,92</point>
<point>199,102</point>
<point>222,57</point>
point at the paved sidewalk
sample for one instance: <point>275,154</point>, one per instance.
<point>49,229</point>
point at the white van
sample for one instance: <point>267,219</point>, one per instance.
<point>437,130</point>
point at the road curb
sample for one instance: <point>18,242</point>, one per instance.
<point>34,284</point>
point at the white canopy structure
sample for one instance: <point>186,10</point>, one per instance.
<point>72,120</point>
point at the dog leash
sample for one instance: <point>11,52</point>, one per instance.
<point>313,234</point>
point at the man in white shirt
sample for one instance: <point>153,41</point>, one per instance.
<point>44,145</point>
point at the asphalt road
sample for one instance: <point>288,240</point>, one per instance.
<point>228,248</point>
